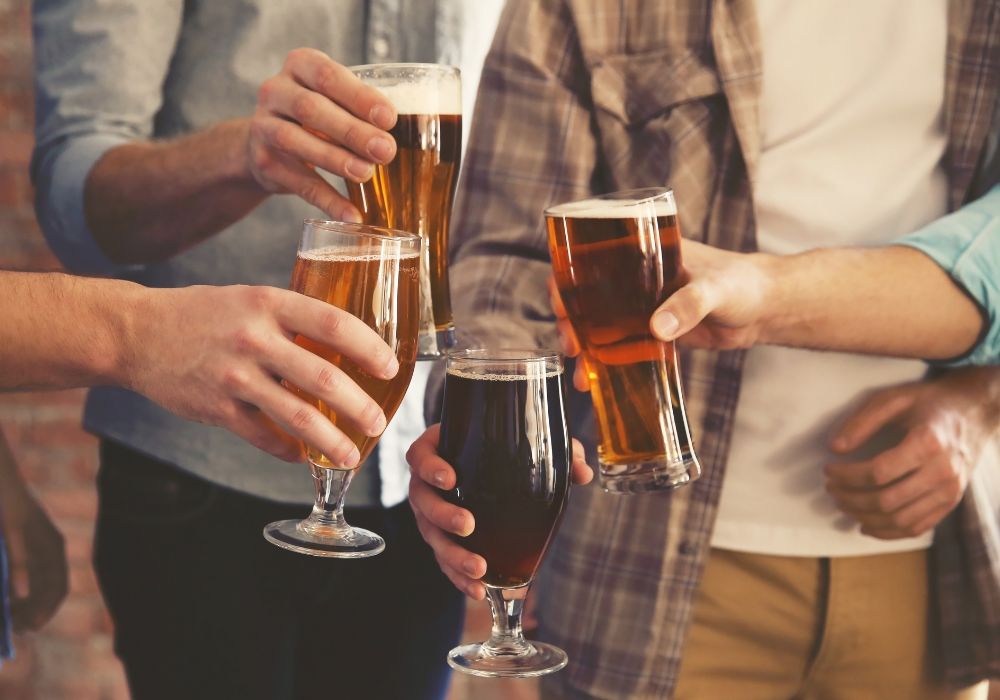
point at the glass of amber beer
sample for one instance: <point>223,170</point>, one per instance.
<point>372,273</point>
<point>415,191</point>
<point>616,258</point>
<point>503,429</point>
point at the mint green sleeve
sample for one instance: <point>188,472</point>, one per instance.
<point>966,244</point>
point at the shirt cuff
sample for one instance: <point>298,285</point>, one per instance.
<point>60,188</point>
<point>966,244</point>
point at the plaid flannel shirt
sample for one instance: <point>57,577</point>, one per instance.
<point>589,96</point>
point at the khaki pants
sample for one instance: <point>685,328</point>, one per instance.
<point>797,628</point>
<point>847,628</point>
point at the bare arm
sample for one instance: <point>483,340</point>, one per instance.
<point>211,354</point>
<point>887,301</point>
<point>147,201</point>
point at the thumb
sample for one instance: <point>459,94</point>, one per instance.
<point>876,412</point>
<point>683,311</point>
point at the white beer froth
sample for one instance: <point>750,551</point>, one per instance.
<point>342,254</point>
<point>497,375</point>
<point>614,209</point>
<point>428,97</point>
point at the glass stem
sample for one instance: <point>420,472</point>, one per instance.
<point>507,637</point>
<point>327,517</point>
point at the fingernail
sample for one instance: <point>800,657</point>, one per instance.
<point>664,325</point>
<point>439,478</point>
<point>381,149</point>
<point>471,567</point>
<point>378,426</point>
<point>382,118</point>
<point>391,368</point>
<point>351,216</point>
<point>358,169</point>
<point>458,524</point>
<point>352,459</point>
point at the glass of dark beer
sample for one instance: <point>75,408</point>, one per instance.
<point>415,191</point>
<point>503,428</point>
<point>616,258</point>
<point>372,273</point>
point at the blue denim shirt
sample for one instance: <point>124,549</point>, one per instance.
<point>966,243</point>
<point>6,643</point>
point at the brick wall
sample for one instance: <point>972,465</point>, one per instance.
<point>71,657</point>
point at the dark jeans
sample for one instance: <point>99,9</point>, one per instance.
<point>204,607</point>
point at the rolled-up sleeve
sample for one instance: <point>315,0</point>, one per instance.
<point>100,67</point>
<point>966,244</point>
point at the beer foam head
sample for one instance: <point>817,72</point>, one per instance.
<point>356,254</point>
<point>425,97</point>
<point>504,365</point>
<point>499,374</point>
<point>621,206</point>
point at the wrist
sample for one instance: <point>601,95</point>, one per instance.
<point>771,272</point>
<point>134,311</point>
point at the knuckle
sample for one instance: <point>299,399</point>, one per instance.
<point>283,136</point>
<point>304,107</point>
<point>265,92</point>
<point>303,418</point>
<point>236,380</point>
<point>370,413</point>
<point>332,323</point>
<point>930,440</point>
<point>328,380</point>
<point>248,341</point>
<point>327,80</point>
<point>886,502</point>
<point>296,56</point>
<point>881,472</point>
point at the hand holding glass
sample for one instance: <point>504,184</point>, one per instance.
<point>503,429</point>
<point>372,273</point>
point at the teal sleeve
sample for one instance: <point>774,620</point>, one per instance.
<point>966,244</point>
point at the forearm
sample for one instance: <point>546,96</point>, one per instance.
<point>148,201</point>
<point>887,301</point>
<point>60,331</point>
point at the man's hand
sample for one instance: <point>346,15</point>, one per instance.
<point>908,489</point>
<point>436,517</point>
<point>39,574</point>
<point>218,355</point>
<point>316,113</point>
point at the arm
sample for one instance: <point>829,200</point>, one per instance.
<point>36,547</point>
<point>933,296</point>
<point>212,354</point>
<point>107,195</point>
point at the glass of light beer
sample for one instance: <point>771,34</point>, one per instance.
<point>372,273</point>
<point>503,429</point>
<point>616,258</point>
<point>415,191</point>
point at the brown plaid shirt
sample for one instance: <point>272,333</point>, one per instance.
<point>589,96</point>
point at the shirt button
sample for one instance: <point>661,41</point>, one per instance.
<point>380,47</point>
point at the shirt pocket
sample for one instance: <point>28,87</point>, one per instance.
<point>660,117</point>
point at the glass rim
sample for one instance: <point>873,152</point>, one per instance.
<point>437,67</point>
<point>620,199</point>
<point>383,233</point>
<point>505,358</point>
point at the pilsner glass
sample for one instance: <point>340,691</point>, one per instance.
<point>372,273</point>
<point>616,258</point>
<point>415,191</point>
<point>503,428</point>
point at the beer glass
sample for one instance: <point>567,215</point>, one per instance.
<point>372,273</point>
<point>415,191</point>
<point>503,429</point>
<point>616,258</point>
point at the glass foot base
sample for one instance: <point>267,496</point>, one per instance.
<point>477,660</point>
<point>354,544</point>
<point>652,475</point>
<point>436,346</point>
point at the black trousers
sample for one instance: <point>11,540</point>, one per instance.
<point>204,607</point>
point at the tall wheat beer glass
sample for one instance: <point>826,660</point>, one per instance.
<point>372,273</point>
<point>415,191</point>
<point>503,429</point>
<point>616,258</point>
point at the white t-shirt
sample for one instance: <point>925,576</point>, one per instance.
<point>853,137</point>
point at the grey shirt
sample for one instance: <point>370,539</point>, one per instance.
<point>112,71</point>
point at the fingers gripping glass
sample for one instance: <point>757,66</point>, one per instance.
<point>503,428</point>
<point>372,273</point>
<point>415,191</point>
<point>616,258</point>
